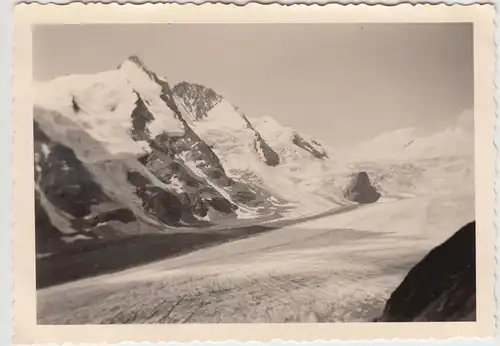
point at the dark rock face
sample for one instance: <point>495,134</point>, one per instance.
<point>141,117</point>
<point>63,179</point>
<point>271,158</point>
<point>222,205</point>
<point>441,287</point>
<point>302,143</point>
<point>161,204</point>
<point>163,164</point>
<point>123,215</point>
<point>360,189</point>
<point>65,186</point>
<point>207,160</point>
<point>74,105</point>
<point>199,100</point>
<point>47,236</point>
<point>195,192</point>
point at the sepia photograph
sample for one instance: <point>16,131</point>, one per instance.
<point>249,173</point>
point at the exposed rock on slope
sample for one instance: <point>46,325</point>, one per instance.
<point>441,287</point>
<point>197,99</point>
<point>62,177</point>
<point>271,158</point>
<point>47,236</point>
<point>313,147</point>
<point>70,204</point>
<point>361,190</point>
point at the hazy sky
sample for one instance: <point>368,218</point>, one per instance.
<point>341,83</point>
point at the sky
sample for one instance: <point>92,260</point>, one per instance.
<point>340,83</point>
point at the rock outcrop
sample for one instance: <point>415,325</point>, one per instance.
<point>69,200</point>
<point>361,190</point>
<point>441,287</point>
<point>271,158</point>
<point>63,178</point>
<point>197,99</point>
<point>47,236</point>
<point>312,147</point>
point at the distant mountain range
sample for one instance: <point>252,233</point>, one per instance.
<point>405,163</point>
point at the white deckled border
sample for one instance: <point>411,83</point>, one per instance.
<point>25,329</point>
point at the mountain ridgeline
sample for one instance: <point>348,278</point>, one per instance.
<point>122,152</point>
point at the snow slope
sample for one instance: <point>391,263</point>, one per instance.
<point>102,104</point>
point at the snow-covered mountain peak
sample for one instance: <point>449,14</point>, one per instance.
<point>103,103</point>
<point>134,62</point>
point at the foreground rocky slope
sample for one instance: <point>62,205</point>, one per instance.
<point>441,287</point>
